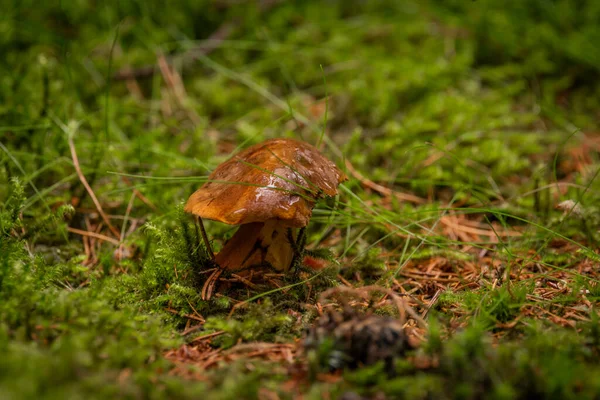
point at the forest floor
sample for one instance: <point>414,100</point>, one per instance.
<point>460,259</point>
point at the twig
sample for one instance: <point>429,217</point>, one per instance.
<point>88,188</point>
<point>209,285</point>
<point>175,83</point>
<point>446,220</point>
<point>196,311</point>
<point>139,194</point>
<point>431,303</point>
<point>92,243</point>
<point>127,212</point>
<point>86,249</point>
<point>191,329</point>
<point>344,281</point>
<point>208,336</point>
<point>189,316</point>
<point>94,235</point>
<point>244,281</point>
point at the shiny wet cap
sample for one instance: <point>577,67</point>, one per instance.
<point>276,179</point>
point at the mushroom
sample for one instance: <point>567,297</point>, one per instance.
<point>269,189</point>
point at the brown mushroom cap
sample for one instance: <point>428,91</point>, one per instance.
<point>276,179</point>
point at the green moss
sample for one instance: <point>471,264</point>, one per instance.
<point>370,265</point>
<point>261,322</point>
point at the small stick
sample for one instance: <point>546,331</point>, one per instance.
<point>209,285</point>
<point>94,235</point>
<point>208,336</point>
<point>431,303</point>
<point>245,281</point>
<point>205,238</point>
<point>89,189</point>
<point>139,194</point>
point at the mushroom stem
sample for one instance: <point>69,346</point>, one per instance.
<point>257,243</point>
<point>205,238</point>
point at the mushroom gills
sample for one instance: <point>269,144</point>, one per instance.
<point>257,243</point>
